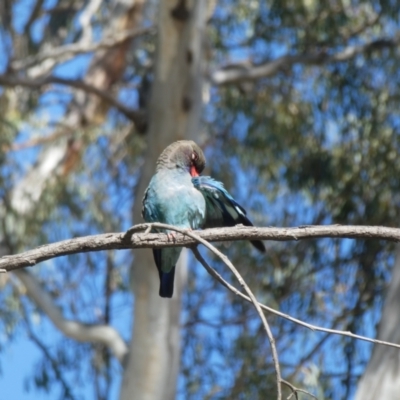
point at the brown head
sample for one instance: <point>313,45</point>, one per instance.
<point>184,154</point>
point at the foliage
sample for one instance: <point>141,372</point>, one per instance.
<point>316,143</point>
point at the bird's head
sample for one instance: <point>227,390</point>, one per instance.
<point>184,154</point>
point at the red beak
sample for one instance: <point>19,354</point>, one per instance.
<point>193,171</point>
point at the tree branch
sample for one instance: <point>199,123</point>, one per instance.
<point>134,240</point>
<point>66,52</point>
<point>32,17</point>
<point>136,116</point>
<point>53,362</point>
<point>238,73</point>
<point>312,327</point>
<point>296,390</point>
<point>85,21</point>
<point>252,299</point>
<point>103,334</point>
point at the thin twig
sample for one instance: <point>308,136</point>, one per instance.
<point>102,334</point>
<point>312,327</point>
<point>253,300</point>
<point>242,282</point>
<point>67,392</point>
<point>296,390</point>
<point>213,273</point>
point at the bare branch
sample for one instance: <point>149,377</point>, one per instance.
<point>136,116</point>
<point>314,328</point>
<point>81,332</point>
<point>34,14</point>
<point>235,74</point>
<point>252,299</point>
<point>38,140</point>
<point>134,240</point>
<point>85,19</point>
<point>296,390</point>
<point>53,362</point>
<point>66,52</point>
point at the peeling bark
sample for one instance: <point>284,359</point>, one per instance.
<point>381,379</point>
<point>174,113</point>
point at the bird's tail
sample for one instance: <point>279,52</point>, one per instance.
<point>167,283</point>
<point>165,261</point>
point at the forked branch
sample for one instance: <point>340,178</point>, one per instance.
<point>140,236</point>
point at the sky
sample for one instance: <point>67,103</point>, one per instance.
<point>18,358</point>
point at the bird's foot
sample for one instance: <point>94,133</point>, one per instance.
<point>171,236</point>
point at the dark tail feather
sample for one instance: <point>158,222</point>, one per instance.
<point>167,283</point>
<point>166,278</point>
<point>258,244</point>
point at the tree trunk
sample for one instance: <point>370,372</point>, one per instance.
<point>174,113</point>
<point>381,379</point>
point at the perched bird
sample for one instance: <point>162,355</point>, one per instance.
<point>177,195</point>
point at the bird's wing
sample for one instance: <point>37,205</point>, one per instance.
<point>165,259</point>
<point>221,208</point>
<point>149,211</point>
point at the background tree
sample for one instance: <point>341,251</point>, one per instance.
<point>296,105</point>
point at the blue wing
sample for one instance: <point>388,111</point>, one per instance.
<point>164,259</point>
<point>149,211</point>
<point>221,207</point>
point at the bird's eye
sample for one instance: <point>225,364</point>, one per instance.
<point>195,156</point>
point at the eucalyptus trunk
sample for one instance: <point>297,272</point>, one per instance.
<point>381,379</point>
<point>174,113</point>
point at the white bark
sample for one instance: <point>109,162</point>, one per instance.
<point>381,379</point>
<point>81,332</point>
<point>174,113</point>
<point>29,189</point>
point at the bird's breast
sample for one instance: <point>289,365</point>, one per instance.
<point>177,201</point>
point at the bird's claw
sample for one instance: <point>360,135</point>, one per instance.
<point>171,236</point>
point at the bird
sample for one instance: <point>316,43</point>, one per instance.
<point>178,195</point>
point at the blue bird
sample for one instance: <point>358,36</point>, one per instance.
<point>177,195</point>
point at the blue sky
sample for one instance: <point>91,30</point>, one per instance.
<point>18,357</point>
